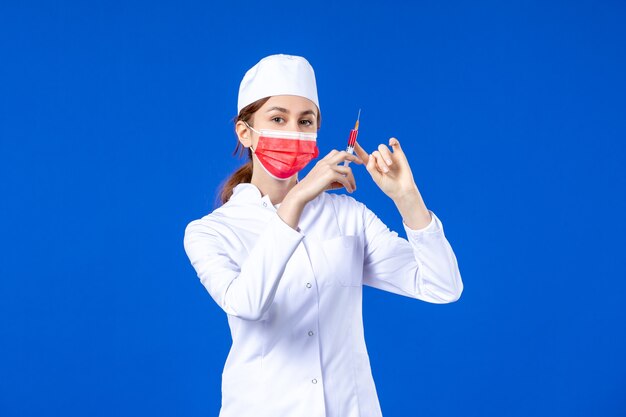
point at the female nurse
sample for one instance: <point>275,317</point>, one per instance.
<point>287,261</point>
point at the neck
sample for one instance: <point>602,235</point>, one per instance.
<point>275,189</point>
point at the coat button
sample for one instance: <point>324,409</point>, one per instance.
<point>264,204</point>
<point>314,381</point>
<point>311,333</point>
<point>308,285</point>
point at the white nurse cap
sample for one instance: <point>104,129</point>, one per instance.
<point>278,75</point>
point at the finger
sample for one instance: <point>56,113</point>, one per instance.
<point>358,161</point>
<point>343,181</point>
<point>371,168</point>
<point>352,181</point>
<point>349,177</point>
<point>361,152</point>
<point>347,173</point>
<point>341,169</point>
<point>331,154</point>
<point>335,185</point>
<point>380,162</point>
<point>343,156</point>
<point>386,154</point>
<point>395,145</point>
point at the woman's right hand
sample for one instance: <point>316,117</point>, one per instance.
<point>327,174</point>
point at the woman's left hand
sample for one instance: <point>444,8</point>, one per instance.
<point>392,173</point>
<point>389,170</point>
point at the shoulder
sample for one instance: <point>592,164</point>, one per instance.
<point>213,222</point>
<point>200,230</point>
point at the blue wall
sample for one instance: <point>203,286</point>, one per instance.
<point>115,132</point>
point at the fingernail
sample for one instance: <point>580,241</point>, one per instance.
<point>388,161</point>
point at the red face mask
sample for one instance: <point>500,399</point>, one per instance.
<point>283,153</point>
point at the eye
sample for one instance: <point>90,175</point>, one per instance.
<point>277,119</point>
<point>306,122</point>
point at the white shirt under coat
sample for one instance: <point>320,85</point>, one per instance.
<point>293,298</point>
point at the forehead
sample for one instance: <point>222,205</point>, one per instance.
<point>293,104</point>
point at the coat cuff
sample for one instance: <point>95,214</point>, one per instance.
<point>277,223</point>
<point>434,226</point>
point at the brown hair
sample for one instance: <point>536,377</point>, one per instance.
<point>244,173</point>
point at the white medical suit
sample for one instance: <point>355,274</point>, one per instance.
<point>293,298</point>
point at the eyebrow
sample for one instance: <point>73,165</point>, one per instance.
<point>284,110</point>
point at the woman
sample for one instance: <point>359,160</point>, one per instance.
<point>286,260</point>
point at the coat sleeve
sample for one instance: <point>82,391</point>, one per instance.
<point>247,290</point>
<point>423,267</point>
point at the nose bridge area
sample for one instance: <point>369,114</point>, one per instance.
<point>294,125</point>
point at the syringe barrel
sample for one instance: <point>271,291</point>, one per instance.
<point>353,136</point>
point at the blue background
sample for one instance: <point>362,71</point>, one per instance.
<point>115,132</point>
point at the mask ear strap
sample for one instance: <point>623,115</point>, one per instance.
<point>251,128</point>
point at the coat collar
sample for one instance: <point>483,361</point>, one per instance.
<point>248,193</point>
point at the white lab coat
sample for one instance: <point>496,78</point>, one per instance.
<point>293,298</point>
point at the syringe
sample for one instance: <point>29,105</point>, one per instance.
<point>352,139</point>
